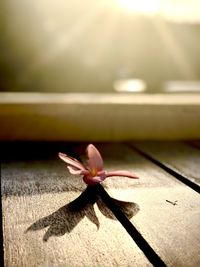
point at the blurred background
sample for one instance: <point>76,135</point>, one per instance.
<point>106,46</point>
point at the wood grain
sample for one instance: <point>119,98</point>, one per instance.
<point>35,197</point>
<point>178,156</point>
<point>172,230</point>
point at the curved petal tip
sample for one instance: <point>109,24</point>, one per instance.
<point>95,161</point>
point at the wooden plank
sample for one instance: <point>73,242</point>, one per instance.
<point>35,195</point>
<point>74,117</point>
<point>178,156</point>
<point>171,230</point>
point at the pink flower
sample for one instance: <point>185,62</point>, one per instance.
<point>93,173</point>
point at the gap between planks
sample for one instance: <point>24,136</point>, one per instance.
<point>177,158</point>
<point>155,187</point>
<point>36,194</point>
<point>159,222</point>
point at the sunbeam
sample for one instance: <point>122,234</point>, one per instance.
<point>175,49</point>
<point>61,42</point>
<point>70,46</point>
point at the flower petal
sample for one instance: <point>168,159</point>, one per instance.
<point>76,171</point>
<point>95,161</point>
<point>122,173</point>
<point>71,161</point>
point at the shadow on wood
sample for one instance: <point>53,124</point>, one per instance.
<point>65,219</point>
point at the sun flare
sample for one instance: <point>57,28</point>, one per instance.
<point>149,7</point>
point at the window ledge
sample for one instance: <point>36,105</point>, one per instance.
<point>99,117</point>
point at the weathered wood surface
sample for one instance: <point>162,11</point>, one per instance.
<point>35,197</point>
<point>32,190</point>
<point>172,230</point>
<point>178,156</point>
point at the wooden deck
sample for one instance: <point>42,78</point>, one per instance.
<point>162,207</point>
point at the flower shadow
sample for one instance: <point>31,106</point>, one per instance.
<point>66,218</point>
